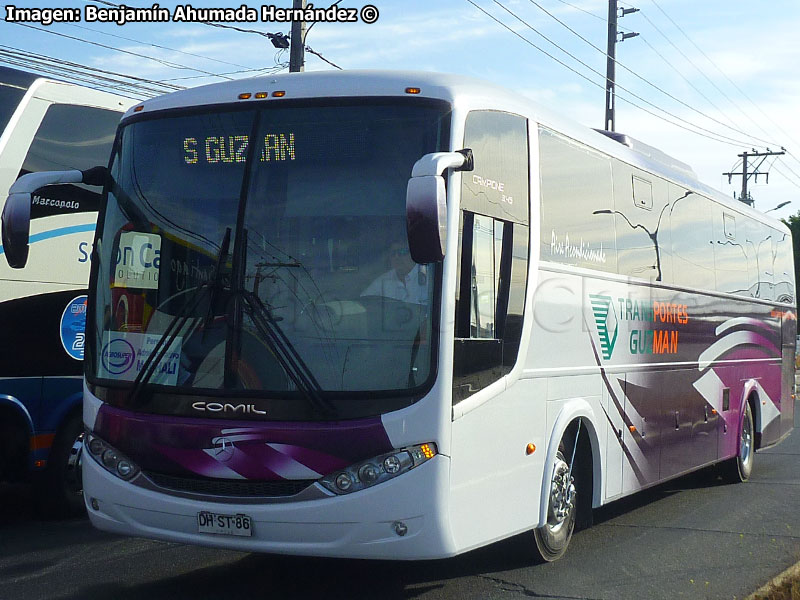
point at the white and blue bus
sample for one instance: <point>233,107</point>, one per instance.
<point>47,125</point>
<point>404,315</point>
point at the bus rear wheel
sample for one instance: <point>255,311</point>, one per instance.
<point>739,468</point>
<point>553,537</point>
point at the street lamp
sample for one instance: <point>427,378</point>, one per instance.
<point>781,205</point>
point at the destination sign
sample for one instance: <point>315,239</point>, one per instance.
<point>231,149</point>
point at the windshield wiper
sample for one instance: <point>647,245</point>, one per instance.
<point>179,320</point>
<point>291,361</point>
<point>216,283</point>
<point>165,341</point>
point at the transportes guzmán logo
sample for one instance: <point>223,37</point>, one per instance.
<point>606,321</point>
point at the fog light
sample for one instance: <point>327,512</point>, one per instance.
<point>94,503</point>
<point>110,459</point>
<point>400,528</point>
<point>343,482</point>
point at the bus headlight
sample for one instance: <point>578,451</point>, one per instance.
<point>111,459</point>
<point>378,469</point>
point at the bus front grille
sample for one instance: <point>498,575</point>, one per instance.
<point>228,487</point>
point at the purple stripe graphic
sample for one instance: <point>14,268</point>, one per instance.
<point>259,451</point>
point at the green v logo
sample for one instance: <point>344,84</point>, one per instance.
<point>606,321</point>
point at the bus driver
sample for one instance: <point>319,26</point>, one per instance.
<point>405,281</point>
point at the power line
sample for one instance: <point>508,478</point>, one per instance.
<point>310,27</point>
<point>699,70</point>
<point>583,10</point>
<point>122,37</point>
<point>158,60</point>
<point>265,70</point>
<point>59,66</point>
<point>792,171</point>
<point>318,55</point>
<point>644,79</point>
<point>638,97</point>
<point>685,79</point>
<point>268,35</point>
<point>594,83</point>
<point>691,41</point>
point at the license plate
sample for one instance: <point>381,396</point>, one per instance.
<point>209,522</point>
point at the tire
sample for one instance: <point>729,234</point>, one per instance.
<point>739,468</point>
<point>553,537</point>
<point>60,487</point>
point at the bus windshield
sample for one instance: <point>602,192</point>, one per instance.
<point>263,250</point>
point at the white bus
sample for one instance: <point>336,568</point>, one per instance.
<point>404,315</point>
<point>47,125</point>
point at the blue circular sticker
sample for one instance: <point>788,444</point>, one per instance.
<point>73,327</point>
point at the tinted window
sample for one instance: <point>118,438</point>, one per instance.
<point>70,137</point>
<point>692,238</point>
<point>759,248</point>
<point>731,254</point>
<point>498,186</point>
<point>577,226</point>
<point>493,251</point>
<point>783,267</point>
<point>640,214</point>
<point>10,97</point>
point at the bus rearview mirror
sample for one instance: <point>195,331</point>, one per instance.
<point>16,225</point>
<point>16,218</point>
<point>426,203</point>
<point>426,218</point>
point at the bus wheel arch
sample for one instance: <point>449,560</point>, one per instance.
<point>751,397</point>
<point>755,407</point>
<point>568,495</point>
<point>16,430</point>
<point>740,466</point>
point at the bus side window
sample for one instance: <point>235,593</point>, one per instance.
<point>70,137</point>
<point>493,251</point>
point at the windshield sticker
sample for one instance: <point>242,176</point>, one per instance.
<point>124,354</point>
<point>138,260</point>
<point>73,326</point>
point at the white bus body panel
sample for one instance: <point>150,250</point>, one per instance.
<point>359,525</point>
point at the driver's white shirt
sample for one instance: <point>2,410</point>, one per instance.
<point>409,290</point>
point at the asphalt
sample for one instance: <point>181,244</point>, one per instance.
<point>695,537</point>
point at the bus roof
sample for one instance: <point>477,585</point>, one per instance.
<point>466,92</point>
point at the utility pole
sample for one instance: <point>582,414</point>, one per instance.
<point>611,62</point>
<point>746,173</point>
<point>297,52</point>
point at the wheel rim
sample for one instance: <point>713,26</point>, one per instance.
<point>562,497</point>
<point>746,439</point>
<point>73,476</point>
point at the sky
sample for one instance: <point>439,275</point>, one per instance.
<point>726,71</point>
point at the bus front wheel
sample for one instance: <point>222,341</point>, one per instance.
<point>553,537</point>
<point>60,486</point>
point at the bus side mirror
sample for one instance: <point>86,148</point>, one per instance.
<point>426,204</point>
<point>16,225</point>
<point>16,218</point>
